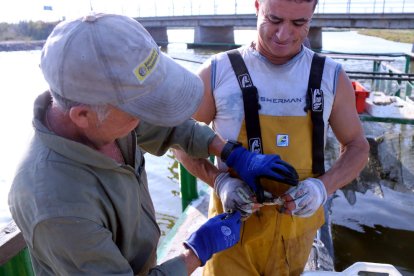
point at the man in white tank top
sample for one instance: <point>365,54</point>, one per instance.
<point>276,240</point>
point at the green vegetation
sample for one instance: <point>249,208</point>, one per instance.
<point>405,36</point>
<point>25,31</point>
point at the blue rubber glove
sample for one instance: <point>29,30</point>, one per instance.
<point>250,166</point>
<point>218,233</point>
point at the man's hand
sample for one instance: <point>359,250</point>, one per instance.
<point>306,198</point>
<point>235,195</point>
<point>250,166</point>
<point>218,233</point>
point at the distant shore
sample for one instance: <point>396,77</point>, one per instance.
<point>21,45</point>
<point>404,36</point>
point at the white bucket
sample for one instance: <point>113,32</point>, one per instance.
<point>354,269</point>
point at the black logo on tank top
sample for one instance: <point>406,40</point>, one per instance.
<point>317,100</point>
<point>244,80</point>
<point>255,145</point>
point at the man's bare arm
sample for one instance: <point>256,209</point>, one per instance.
<point>203,168</point>
<point>348,130</point>
<point>192,262</point>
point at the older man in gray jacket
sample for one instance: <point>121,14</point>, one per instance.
<point>80,196</point>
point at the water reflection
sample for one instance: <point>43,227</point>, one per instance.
<point>375,244</point>
<point>373,217</point>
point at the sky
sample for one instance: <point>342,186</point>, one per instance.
<point>13,11</point>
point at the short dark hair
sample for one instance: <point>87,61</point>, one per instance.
<point>316,1</point>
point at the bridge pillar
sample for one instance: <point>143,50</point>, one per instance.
<point>315,37</point>
<point>159,34</point>
<point>213,35</point>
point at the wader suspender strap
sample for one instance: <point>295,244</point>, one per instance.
<point>250,101</point>
<point>315,104</point>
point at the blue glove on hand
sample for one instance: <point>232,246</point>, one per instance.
<point>250,166</point>
<point>218,233</point>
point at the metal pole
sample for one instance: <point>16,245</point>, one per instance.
<point>383,6</point>
<point>139,9</point>
<point>19,265</point>
<point>188,186</point>
<point>214,7</point>
<point>409,63</point>
<point>348,8</point>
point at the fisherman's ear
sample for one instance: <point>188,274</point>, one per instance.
<point>80,115</point>
<point>257,5</point>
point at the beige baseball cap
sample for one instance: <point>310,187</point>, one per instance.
<point>112,59</point>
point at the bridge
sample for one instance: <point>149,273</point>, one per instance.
<point>217,27</point>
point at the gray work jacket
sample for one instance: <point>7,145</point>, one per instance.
<point>81,212</point>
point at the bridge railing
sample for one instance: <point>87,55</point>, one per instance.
<point>365,6</point>
<point>202,7</point>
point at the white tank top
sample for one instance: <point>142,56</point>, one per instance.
<point>282,88</point>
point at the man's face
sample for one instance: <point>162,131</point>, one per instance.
<point>117,124</point>
<point>282,27</point>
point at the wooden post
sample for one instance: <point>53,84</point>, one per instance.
<point>14,256</point>
<point>11,242</point>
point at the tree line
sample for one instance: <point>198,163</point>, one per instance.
<point>26,30</point>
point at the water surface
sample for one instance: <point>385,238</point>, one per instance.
<point>373,223</point>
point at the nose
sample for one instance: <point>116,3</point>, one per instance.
<point>284,32</point>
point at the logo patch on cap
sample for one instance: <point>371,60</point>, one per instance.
<point>143,70</point>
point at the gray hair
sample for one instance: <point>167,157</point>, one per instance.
<point>65,105</point>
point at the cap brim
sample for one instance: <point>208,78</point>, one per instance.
<point>173,101</point>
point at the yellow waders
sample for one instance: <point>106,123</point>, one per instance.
<point>272,243</point>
